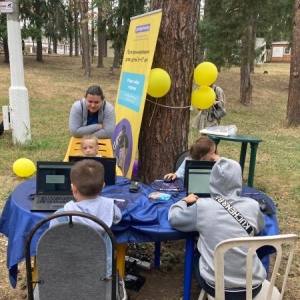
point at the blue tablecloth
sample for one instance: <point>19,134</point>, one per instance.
<point>143,220</point>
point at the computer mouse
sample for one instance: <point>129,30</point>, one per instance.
<point>262,205</point>
<point>168,179</point>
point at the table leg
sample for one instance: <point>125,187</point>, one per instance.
<point>188,268</point>
<point>254,147</point>
<point>243,155</point>
<point>121,251</point>
<point>157,255</point>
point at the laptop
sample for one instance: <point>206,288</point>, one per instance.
<point>197,176</point>
<point>53,186</point>
<point>109,164</point>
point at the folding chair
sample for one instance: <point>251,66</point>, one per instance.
<point>269,291</point>
<point>71,261</point>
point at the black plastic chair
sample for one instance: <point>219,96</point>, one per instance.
<point>179,159</point>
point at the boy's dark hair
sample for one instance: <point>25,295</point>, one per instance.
<point>88,176</point>
<point>94,90</point>
<point>201,147</point>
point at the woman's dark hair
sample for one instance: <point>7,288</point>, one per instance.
<point>95,90</point>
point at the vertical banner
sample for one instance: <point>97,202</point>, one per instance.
<point>132,91</point>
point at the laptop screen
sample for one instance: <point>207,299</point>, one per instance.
<point>109,164</point>
<point>53,178</point>
<point>197,176</point>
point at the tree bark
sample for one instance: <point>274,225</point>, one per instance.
<point>70,27</point>
<point>100,38</point>
<point>76,28</point>
<point>118,44</point>
<point>164,130</point>
<point>293,104</point>
<point>39,45</point>
<point>86,60</point>
<point>246,57</point>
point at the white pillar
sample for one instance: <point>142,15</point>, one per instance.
<point>18,93</point>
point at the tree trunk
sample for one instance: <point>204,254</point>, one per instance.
<point>246,59</point>
<point>93,39</point>
<point>39,45</point>
<point>117,59</point>
<point>293,104</point>
<point>101,48</point>
<point>118,44</point>
<point>100,38</point>
<point>252,64</point>
<point>39,49</point>
<point>86,60</point>
<point>70,27</point>
<point>76,28</point>
<point>164,130</point>
<point>55,44</point>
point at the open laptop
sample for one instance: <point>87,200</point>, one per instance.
<point>197,176</point>
<point>109,164</point>
<point>53,186</point>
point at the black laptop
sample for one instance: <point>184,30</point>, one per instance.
<point>197,176</point>
<point>109,164</point>
<point>53,186</point>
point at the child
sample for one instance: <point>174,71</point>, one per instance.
<point>87,181</point>
<point>203,148</point>
<point>89,145</point>
<point>215,224</point>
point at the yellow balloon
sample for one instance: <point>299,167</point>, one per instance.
<point>205,74</point>
<point>24,167</point>
<point>159,83</point>
<point>203,97</point>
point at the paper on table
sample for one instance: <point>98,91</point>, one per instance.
<point>207,131</point>
<point>220,130</point>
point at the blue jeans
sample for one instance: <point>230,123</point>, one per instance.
<point>233,294</point>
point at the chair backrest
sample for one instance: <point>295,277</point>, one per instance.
<point>74,148</point>
<point>71,260</point>
<point>279,242</point>
<point>105,149</point>
<point>179,159</point>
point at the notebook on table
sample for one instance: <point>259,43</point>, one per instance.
<point>109,164</point>
<point>197,176</point>
<point>53,186</point>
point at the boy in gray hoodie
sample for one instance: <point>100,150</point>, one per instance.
<point>215,224</point>
<point>87,181</point>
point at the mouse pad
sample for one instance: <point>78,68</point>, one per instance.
<point>174,186</point>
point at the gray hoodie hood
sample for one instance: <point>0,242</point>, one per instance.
<point>226,179</point>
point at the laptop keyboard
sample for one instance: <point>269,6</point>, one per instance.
<point>55,199</point>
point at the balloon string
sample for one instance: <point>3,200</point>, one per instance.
<point>153,113</point>
<point>179,107</point>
